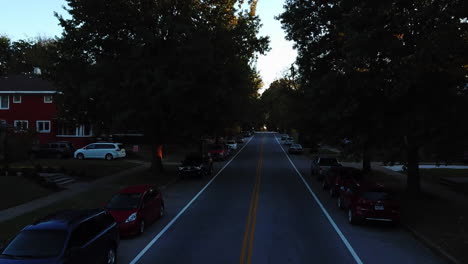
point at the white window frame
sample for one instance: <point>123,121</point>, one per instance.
<point>17,101</point>
<point>8,99</point>
<point>51,99</point>
<point>23,121</point>
<point>43,121</point>
<point>79,132</point>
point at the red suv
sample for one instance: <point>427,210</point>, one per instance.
<point>368,201</point>
<point>340,176</point>
<point>218,151</point>
<point>136,206</point>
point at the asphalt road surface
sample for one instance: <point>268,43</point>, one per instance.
<point>263,207</point>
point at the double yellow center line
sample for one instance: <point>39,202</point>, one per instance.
<point>247,244</point>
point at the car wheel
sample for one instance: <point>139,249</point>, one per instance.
<point>109,156</point>
<point>141,230</point>
<point>340,203</point>
<point>80,156</point>
<point>162,211</point>
<point>111,256</point>
<point>352,219</point>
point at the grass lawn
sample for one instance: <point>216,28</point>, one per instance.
<point>17,190</point>
<point>86,169</point>
<point>94,198</point>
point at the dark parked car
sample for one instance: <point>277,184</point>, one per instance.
<point>218,151</point>
<point>340,176</point>
<point>322,164</point>
<point>368,201</point>
<point>295,149</point>
<point>134,207</point>
<point>53,150</point>
<point>196,165</point>
<point>239,140</point>
<point>66,237</point>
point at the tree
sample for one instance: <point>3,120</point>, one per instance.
<point>171,68</point>
<point>380,70</point>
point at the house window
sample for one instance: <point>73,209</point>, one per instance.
<point>21,124</point>
<point>48,99</point>
<point>70,130</point>
<point>43,126</point>
<point>4,102</point>
<point>17,99</point>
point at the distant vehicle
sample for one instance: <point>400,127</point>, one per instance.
<point>247,134</point>
<point>284,137</point>
<point>295,149</point>
<point>135,207</point>
<point>71,237</point>
<point>195,165</point>
<point>108,151</point>
<point>340,176</point>
<point>57,150</point>
<point>369,201</point>
<point>231,144</point>
<point>322,164</point>
<point>288,141</point>
<point>218,151</point>
<point>239,140</point>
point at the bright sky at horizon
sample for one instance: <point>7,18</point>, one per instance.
<point>23,19</point>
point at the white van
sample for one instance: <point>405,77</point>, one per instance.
<point>108,151</point>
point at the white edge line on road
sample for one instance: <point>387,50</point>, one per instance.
<point>337,229</point>
<point>156,238</point>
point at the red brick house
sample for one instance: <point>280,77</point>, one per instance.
<point>27,102</point>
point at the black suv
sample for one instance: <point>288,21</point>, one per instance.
<point>66,237</point>
<point>53,150</point>
<point>196,165</point>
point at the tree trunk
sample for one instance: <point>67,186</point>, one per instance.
<point>413,180</point>
<point>366,158</point>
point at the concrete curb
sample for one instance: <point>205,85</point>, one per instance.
<point>431,245</point>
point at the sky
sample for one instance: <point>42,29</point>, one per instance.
<point>23,19</point>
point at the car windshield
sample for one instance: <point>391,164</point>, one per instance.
<point>30,244</point>
<point>328,161</point>
<point>124,201</point>
<point>377,195</point>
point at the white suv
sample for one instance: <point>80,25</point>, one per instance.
<point>108,151</point>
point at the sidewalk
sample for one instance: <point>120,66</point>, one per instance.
<point>73,190</point>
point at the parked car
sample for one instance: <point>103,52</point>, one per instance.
<point>295,149</point>
<point>218,151</point>
<point>66,237</point>
<point>284,137</point>
<point>108,151</point>
<point>288,141</point>
<point>368,201</point>
<point>57,150</point>
<point>247,134</point>
<point>340,176</point>
<point>232,145</point>
<point>320,165</point>
<point>134,207</point>
<point>239,140</point>
<point>195,165</point>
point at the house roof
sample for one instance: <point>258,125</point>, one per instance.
<point>25,84</point>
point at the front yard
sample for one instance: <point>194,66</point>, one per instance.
<point>16,190</point>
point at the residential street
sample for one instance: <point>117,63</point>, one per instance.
<point>259,210</point>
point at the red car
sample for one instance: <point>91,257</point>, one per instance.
<point>136,206</point>
<point>218,151</point>
<point>369,201</point>
<point>340,176</point>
